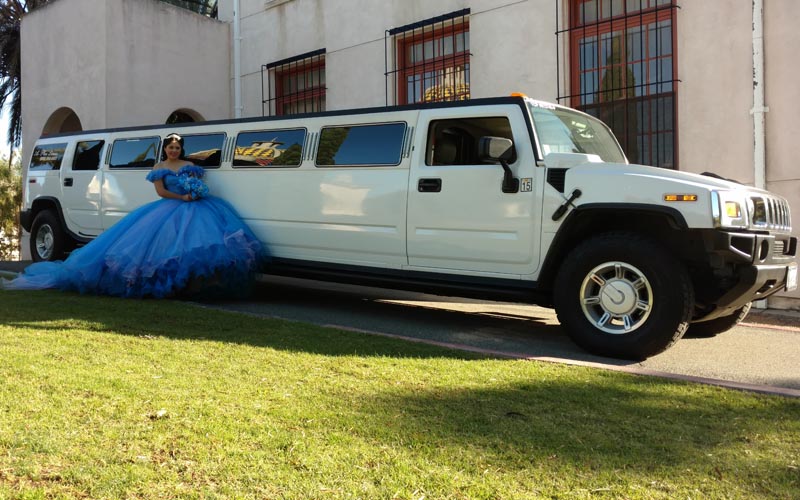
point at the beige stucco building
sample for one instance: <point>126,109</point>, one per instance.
<point>90,64</point>
<point>685,88</point>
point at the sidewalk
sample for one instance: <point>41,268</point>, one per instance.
<point>771,317</point>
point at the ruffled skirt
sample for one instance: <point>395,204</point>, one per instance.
<point>163,249</point>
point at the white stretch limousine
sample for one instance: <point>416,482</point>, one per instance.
<point>505,198</point>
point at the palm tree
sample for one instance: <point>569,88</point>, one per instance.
<point>11,12</point>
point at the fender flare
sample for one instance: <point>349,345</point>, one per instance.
<point>46,203</point>
<point>576,217</point>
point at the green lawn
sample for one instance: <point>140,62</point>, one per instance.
<point>110,398</point>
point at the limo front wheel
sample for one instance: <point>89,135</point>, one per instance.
<point>621,295</point>
<point>714,327</point>
<point>48,240</point>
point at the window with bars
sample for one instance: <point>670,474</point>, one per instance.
<point>622,70</point>
<point>206,8</point>
<point>295,85</point>
<point>431,60</point>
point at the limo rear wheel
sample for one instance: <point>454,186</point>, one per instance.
<point>48,240</point>
<point>621,295</point>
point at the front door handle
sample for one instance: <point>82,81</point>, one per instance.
<point>429,185</point>
<point>68,181</point>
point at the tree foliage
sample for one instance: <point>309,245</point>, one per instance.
<point>11,13</point>
<point>10,201</point>
<point>330,143</point>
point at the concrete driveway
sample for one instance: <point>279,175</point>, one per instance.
<point>763,354</point>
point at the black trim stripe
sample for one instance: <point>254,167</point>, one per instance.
<point>459,285</point>
<point>633,208</point>
<point>428,22</point>
<point>518,101</point>
<point>289,60</point>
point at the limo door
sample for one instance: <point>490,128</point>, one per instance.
<point>459,218</point>
<point>80,187</point>
<point>346,206</point>
<point>125,187</point>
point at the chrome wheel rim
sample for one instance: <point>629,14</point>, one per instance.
<point>44,242</point>
<point>616,297</point>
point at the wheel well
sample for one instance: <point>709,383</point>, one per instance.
<point>41,204</point>
<point>663,227</point>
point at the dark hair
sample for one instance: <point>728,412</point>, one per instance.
<point>169,139</point>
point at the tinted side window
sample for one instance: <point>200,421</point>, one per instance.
<point>204,149</point>
<point>87,155</point>
<point>135,153</point>
<point>47,157</point>
<point>270,148</point>
<point>361,145</point>
<point>455,142</point>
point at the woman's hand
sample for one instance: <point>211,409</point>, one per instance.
<point>187,197</point>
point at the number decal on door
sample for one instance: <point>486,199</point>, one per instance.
<point>526,184</point>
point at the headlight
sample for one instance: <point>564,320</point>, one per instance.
<point>733,210</point>
<point>729,209</point>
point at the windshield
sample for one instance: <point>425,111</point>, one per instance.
<point>562,130</point>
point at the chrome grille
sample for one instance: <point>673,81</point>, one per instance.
<point>778,248</point>
<point>771,213</point>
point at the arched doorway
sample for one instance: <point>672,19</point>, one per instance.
<point>184,115</point>
<point>62,120</point>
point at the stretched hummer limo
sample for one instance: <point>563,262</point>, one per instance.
<point>502,198</point>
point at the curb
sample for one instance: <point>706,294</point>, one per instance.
<point>739,386</point>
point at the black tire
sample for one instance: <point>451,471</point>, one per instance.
<point>712,328</point>
<point>623,296</point>
<point>48,239</point>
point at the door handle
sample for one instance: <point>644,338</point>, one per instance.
<point>68,181</point>
<point>429,185</point>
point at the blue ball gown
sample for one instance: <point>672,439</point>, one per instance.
<point>162,249</point>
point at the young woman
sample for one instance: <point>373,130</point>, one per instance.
<point>184,243</point>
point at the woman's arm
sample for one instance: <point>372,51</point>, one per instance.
<point>166,193</point>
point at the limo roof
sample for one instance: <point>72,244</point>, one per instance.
<point>516,99</point>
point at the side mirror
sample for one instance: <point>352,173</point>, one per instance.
<point>495,148</point>
<point>502,150</point>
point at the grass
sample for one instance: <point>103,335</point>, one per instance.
<point>110,398</point>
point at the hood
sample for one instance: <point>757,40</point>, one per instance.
<point>591,165</point>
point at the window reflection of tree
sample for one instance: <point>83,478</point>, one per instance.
<point>617,89</point>
<point>290,156</point>
<point>330,141</point>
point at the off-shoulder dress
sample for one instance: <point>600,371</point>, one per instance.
<point>162,249</point>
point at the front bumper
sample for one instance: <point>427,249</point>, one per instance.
<point>759,266</point>
<point>26,219</point>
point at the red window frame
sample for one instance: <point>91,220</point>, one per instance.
<point>438,64</point>
<point>625,91</point>
<point>618,23</point>
<point>284,97</point>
